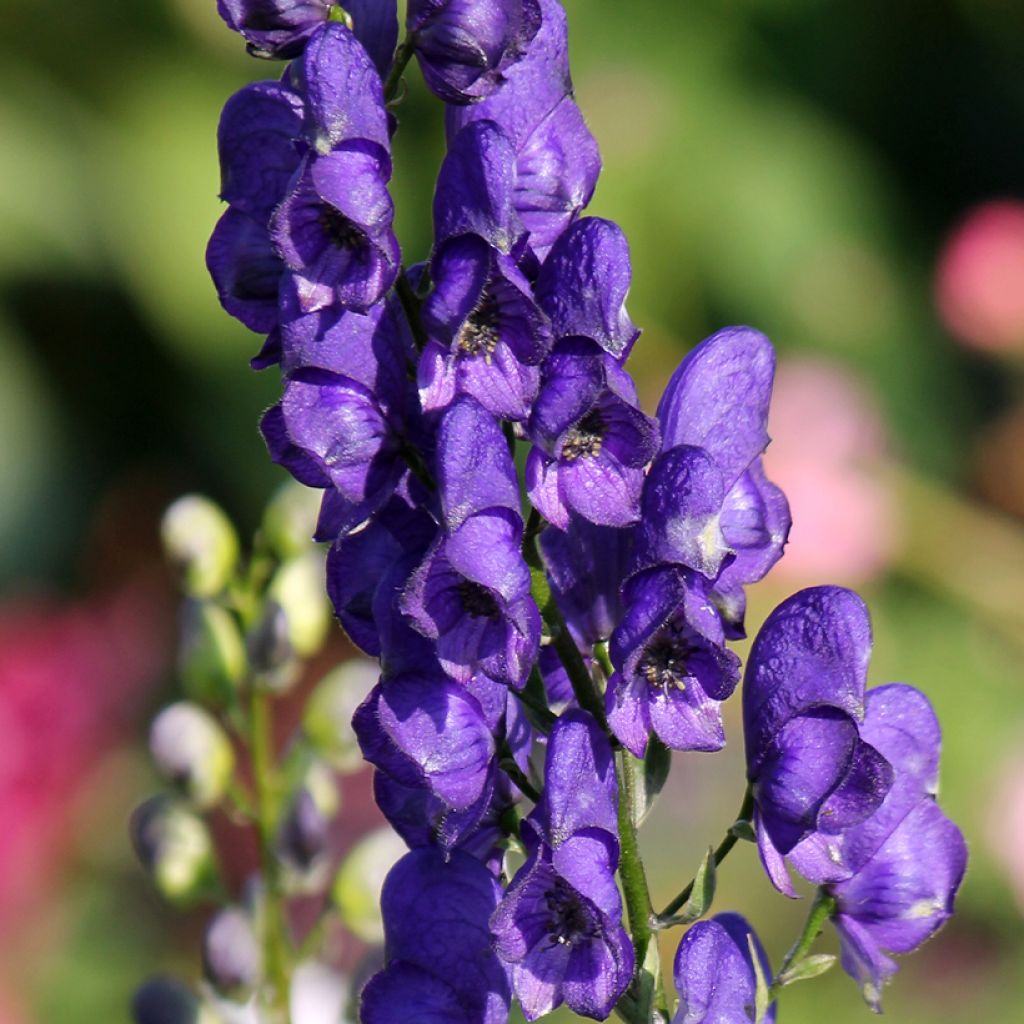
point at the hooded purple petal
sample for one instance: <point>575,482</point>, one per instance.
<point>584,283</point>
<point>246,270</point>
<point>403,992</point>
<point>714,974</point>
<point>465,46</point>
<point>718,399</point>
<point>474,189</point>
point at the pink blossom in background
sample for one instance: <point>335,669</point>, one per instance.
<point>73,679</point>
<point>827,452</point>
<point>1005,825</point>
<point>979,284</point>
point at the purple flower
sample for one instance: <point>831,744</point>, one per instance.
<point>557,159</point>
<point>475,190</point>
<point>465,46</point>
<point>900,897</point>
<point>592,440</point>
<point>559,924</point>
<point>714,973</point>
<point>672,668</point>
<point>707,504</point>
<point>584,283</point>
<point>440,968</point>
<point>281,28</point>
<point>334,231</point>
<point>486,334</point>
<point>472,596</point>
<point>803,701</point>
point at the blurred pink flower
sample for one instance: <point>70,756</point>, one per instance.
<point>1004,830</point>
<point>72,679</point>
<point>979,283</point>
<point>827,452</point>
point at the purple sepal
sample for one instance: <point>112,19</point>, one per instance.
<point>577,749</point>
<point>280,28</point>
<point>900,897</point>
<point>258,140</point>
<point>584,283</point>
<point>334,231</point>
<point>718,399</point>
<point>714,973</point>
<point>343,93</point>
<point>465,46</point>
<point>559,926</point>
<point>246,270</point>
<point>486,334</point>
<point>475,470</point>
<point>586,565</point>
<point>672,668</point>
<point>803,700</point>
<point>286,453</point>
<point>436,910</point>
<point>475,187</point>
<point>472,595</point>
<point>595,441</point>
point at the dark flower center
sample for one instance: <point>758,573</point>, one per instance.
<point>343,234</point>
<point>663,664</point>
<point>477,601</point>
<point>570,919</point>
<point>479,334</point>
<point>584,440</point>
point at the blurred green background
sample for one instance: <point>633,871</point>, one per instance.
<point>805,167</point>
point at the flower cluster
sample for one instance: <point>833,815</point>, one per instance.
<point>540,567</point>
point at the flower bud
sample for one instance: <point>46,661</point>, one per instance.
<point>211,656</point>
<point>290,518</point>
<point>328,716</point>
<point>232,959</point>
<point>174,846</point>
<point>320,995</point>
<point>192,750</point>
<point>304,833</point>
<point>357,886</point>
<point>201,542</point>
<point>163,1000</point>
<point>270,650</point>
<point>298,587</point>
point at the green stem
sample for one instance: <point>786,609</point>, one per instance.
<point>664,919</point>
<point>275,951</point>
<point>411,306</point>
<point>647,994</point>
<point>508,765</point>
<point>822,908</point>
<point>402,57</point>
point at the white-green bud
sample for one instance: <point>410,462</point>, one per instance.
<point>192,750</point>
<point>327,720</point>
<point>298,588</point>
<point>290,520</point>
<point>358,883</point>
<point>174,845</point>
<point>232,958</point>
<point>211,657</point>
<point>201,542</point>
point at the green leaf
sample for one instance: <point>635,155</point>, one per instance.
<point>656,768</point>
<point>762,995</point>
<point>804,970</point>
<point>743,829</point>
<point>703,893</point>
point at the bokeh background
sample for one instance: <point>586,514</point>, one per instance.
<point>848,177</point>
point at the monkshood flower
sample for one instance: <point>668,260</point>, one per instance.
<point>714,973</point>
<point>557,159</point>
<point>707,504</point>
<point>803,702</point>
<point>429,735</point>
<point>471,595</point>
<point>592,441</point>
<point>584,283</point>
<point>672,668</point>
<point>487,337</point>
<point>260,148</point>
<point>895,875</point>
<point>559,925</point>
<point>281,28</point>
<point>439,965</point>
<point>465,46</point>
